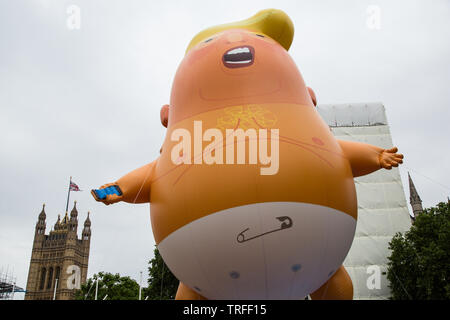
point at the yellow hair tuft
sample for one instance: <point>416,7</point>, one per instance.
<point>271,22</point>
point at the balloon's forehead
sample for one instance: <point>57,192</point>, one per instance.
<point>234,36</point>
<point>232,32</point>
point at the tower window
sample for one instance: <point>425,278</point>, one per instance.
<point>57,273</point>
<point>41,285</point>
<point>50,278</point>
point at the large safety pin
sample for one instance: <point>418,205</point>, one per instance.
<point>284,225</point>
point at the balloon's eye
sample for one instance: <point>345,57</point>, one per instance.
<point>260,35</point>
<point>210,39</point>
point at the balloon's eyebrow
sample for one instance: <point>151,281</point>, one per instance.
<point>260,35</point>
<point>208,40</point>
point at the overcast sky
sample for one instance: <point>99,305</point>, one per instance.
<point>85,102</point>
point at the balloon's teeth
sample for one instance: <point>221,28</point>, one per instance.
<point>239,50</point>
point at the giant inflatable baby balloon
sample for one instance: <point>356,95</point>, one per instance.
<point>252,197</point>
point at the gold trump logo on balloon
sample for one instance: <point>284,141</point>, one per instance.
<point>251,116</point>
<point>254,119</point>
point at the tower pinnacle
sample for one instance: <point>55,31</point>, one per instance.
<point>40,225</point>
<point>414,198</point>
<point>86,234</point>
<point>42,215</point>
<point>74,212</point>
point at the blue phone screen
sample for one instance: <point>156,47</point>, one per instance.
<point>102,193</point>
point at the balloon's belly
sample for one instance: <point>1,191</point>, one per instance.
<point>272,250</point>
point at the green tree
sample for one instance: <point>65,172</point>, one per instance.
<point>162,284</point>
<point>113,285</point>
<point>419,266</point>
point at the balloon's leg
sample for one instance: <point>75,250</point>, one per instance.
<point>186,293</point>
<point>338,287</point>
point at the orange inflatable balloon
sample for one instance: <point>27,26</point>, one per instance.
<point>252,197</point>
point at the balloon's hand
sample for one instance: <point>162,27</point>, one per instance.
<point>107,198</point>
<point>389,158</point>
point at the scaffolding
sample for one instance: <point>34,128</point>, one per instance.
<point>382,207</point>
<point>8,285</point>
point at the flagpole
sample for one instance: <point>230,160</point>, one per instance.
<point>140,286</point>
<point>54,291</point>
<point>96,289</point>
<point>68,195</point>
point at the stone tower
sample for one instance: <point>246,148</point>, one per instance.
<point>58,259</point>
<point>414,199</point>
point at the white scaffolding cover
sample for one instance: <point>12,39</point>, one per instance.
<point>382,207</point>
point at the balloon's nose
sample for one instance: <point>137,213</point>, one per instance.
<point>235,37</point>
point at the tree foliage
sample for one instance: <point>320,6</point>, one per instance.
<point>113,285</point>
<point>419,266</point>
<point>162,284</point>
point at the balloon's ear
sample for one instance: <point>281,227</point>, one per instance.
<point>164,115</point>
<point>312,95</point>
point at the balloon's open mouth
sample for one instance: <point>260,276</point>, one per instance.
<point>239,57</point>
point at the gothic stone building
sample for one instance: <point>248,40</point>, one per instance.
<point>58,259</point>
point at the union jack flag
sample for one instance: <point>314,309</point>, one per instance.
<point>74,187</point>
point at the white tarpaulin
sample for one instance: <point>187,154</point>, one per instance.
<point>382,207</point>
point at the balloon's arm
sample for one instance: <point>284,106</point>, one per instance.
<point>134,187</point>
<point>366,158</point>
